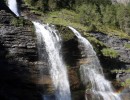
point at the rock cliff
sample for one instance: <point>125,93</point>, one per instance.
<point>20,73</point>
<point>18,55</point>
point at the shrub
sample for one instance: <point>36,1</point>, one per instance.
<point>110,53</point>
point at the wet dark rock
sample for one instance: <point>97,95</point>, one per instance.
<point>117,44</point>
<point>18,54</point>
<point>24,77</point>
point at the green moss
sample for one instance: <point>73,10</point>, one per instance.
<point>112,31</point>
<point>65,32</point>
<point>93,40</point>
<point>64,17</point>
<point>20,22</point>
<point>36,12</point>
<point>127,46</point>
<point>119,33</point>
<point>14,22</point>
<point>110,53</point>
<point>17,22</point>
<point>27,1</point>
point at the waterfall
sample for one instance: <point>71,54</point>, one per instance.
<point>13,6</point>
<point>92,74</point>
<point>58,69</point>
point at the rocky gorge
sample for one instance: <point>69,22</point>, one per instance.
<point>20,75</point>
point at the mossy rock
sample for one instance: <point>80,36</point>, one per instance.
<point>65,32</point>
<point>20,21</point>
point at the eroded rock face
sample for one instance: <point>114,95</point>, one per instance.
<point>121,63</point>
<point>117,44</point>
<point>20,74</point>
<point>18,57</point>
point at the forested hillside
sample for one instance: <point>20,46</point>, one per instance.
<point>97,15</point>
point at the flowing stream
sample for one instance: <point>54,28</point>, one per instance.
<point>12,4</point>
<point>58,69</point>
<point>92,74</point>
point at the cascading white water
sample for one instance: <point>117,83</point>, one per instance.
<point>13,6</point>
<point>58,69</point>
<point>92,74</point>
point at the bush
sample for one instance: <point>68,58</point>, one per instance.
<point>114,16</point>
<point>89,15</point>
<point>110,53</point>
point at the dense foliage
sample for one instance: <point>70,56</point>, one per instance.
<point>92,13</point>
<point>114,16</point>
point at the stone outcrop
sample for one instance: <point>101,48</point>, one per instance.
<point>22,75</point>
<point>120,63</point>
<point>117,44</point>
<point>18,56</point>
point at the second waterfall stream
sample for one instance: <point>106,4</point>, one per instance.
<point>58,69</point>
<point>92,74</point>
